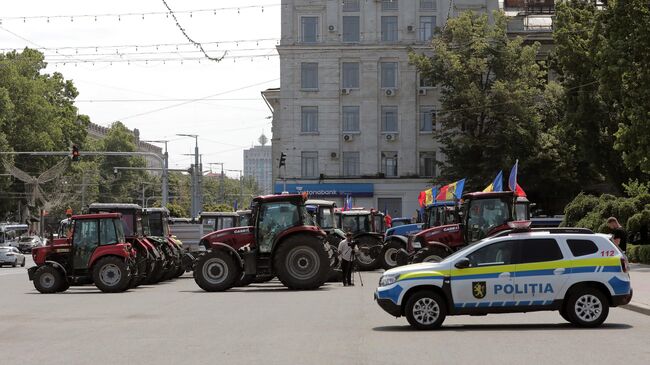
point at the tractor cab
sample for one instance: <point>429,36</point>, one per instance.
<point>441,213</point>
<point>216,221</point>
<point>95,251</point>
<point>244,219</point>
<point>273,217</point>
<point>155,223</point>
<point>484,214</point>
<point>322,211</point>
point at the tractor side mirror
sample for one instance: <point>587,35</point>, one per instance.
<point>462,263</point>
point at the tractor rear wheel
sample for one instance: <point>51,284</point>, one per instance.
<point>245,280</point>
<point>430,254</point>
<point>216,271</point>
<point>368,257</point>
<point>48,279</point>
<point>111,275</point>
<point>301,262</point>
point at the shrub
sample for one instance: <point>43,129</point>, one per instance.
<point>638,253</point>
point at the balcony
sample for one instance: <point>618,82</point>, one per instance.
<point>530,6</point>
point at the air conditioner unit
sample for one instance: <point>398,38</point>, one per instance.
<point>390,137</point>
<point>422,91</point>
<point>332,28</point>
<point>334,155</point>
<point>410,29</point>
<point>390,92</point>
<point>346,91</point>
<point>348,137</point>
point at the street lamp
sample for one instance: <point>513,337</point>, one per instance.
<point>197,195</point>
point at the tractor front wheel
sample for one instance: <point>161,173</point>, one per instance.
<point>48,279</point>
<point>111,275</point>
<point>389,254</point>
<point>216,271</point>
<point>301,262</point>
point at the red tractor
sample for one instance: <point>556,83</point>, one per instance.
<point>282,241</point>
<point>96,252</point>
<point>481,215</point>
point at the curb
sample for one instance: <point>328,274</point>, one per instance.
<point>637,307</point>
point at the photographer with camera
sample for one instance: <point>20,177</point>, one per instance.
<point>347,251</point>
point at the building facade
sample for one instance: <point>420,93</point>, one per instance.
<point>352,116</point>
<point>258,164</point>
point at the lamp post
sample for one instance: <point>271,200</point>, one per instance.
<point>197,201</point>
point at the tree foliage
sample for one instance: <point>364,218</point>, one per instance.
<point>495,107</point>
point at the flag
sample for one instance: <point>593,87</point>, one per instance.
<point>422,198</point>
<point>451,191</point>
<point>431,195</point>
<point>497,184</point>
<point>347,203</point>
<point>235,205</point>
<point>512,181</point>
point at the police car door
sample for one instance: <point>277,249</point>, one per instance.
<point>489,278</point>
<point>539,274</point>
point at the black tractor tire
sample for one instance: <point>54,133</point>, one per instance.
<point>23,264</point>
<point>430,254</point>
<point>365,259</point>
<point>587,307</point>
<point>260,279</point>
<point>245,280</point>
<point>180,270</point>
<point>157,273</point>
<point>64,286</point>
<point>301,262</point>
<point>216,271</point>
<point>389,254</point>
<point>425,310</point>
<point>564,314</point>
<point>111,274</point>
<point>15,263</point>
<point>48,279</point>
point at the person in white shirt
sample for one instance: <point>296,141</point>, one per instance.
<point>347,253</point>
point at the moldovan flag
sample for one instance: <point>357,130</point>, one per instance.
<point>512,181</point>
<point>426,197</point>
<point>451,191</point>
<point>497,184</point>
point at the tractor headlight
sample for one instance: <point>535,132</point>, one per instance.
<point>386,280</point>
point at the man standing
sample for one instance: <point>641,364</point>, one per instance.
<point>619,236</point>
<point>346,250</point>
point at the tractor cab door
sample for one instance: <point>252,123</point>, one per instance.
<point>85,240</point>
<point>274,218</point>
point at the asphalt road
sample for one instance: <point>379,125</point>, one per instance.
<point>177,323</point>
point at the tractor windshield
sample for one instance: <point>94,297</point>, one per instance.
<point>355,223</point>
<point>244,220</point>
<point>119,230</point>
<point>440,216</point>
<point>379,223</point>
<point>326,217</point>
<point>225,222</point>
<point>483,215</point>
<point>156,224</point>
<point>275,217</point>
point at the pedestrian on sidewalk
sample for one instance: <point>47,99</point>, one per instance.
<point>347,252</point>
<point>619,236</point>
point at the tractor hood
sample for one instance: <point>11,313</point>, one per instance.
<point>431,234</point>
<point>236,237</point>
<point>223,233</point>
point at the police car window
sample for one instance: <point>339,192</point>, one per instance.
<point>582,247</point>
<point>539,250</point>
<point>499,253</point>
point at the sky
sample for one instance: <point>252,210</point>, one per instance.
<point>133,71</point>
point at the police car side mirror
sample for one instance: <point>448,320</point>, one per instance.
<point>462,263</point>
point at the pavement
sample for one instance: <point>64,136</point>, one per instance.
<point>640,278</point>
<point>175,322</point>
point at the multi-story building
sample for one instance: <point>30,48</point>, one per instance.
<point>258,164</point>
<point>352,116</point>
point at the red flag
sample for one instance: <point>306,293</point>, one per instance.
<point>519,191</point>
<point>422,198</point>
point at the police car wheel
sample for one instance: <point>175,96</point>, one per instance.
<point>425,310</point>
<point>587,307</point>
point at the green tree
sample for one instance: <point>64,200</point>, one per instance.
<point>495,107</point>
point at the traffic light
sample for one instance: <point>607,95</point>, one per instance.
<point>75,153</point>
<point>283,160</point>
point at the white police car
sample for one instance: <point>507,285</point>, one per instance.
<point>574,271</point>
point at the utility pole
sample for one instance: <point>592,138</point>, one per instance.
<point>197,198</point>
<point>221,190</point>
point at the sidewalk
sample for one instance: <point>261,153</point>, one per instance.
<point>640,277</point>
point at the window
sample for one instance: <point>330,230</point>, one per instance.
<point>350,75</point>
<point>428,164</point>
<point>309,164</point>
<point>309,75</point>
<point>351,163</point>
<point>107,234</point>
<point>86,233</point>
<point>351,29</point>
<point>427,118</point>
<point>427,24</point>
<point>428,5</point>
<point>426,82</point>
<point>499,253</point>
<point>389,29</point>
<point>309,29</point>
<point>582,247</point>
<point>351,5</point>
<point>389,119</point>
<point>389,164</point>
<point>539,250</point>
<point>388,74</point>
<point>309,119</point>
<point>350,119</point>
<point>388,5</point>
